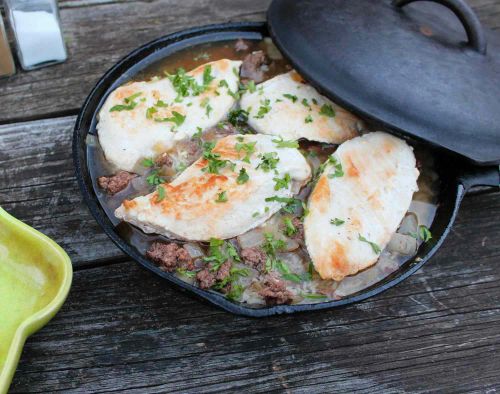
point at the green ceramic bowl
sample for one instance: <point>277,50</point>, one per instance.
<point>35,277</point>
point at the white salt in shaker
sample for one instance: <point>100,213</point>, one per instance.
<point>37,32</point>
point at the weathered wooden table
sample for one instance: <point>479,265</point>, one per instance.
<point>124,329</point>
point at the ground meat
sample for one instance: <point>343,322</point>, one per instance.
<point>164,160</point>
<point>170,256</point>
<point>224,271</point>
<point>115,183</point>
<point>299,226</point>
<point>206,279</point>
<point>252,66</point>
<point>274,291</point>
<point>241,45</point>
<point>254,257</point>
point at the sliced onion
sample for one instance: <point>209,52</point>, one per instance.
<point>271,49</point>
<point>291,245</point>
<point>251,238</point>
<point>194,250</point>
<point>402,244</point>
<point>294,262</point>
<point>409,224</point>
<point>139,183</point>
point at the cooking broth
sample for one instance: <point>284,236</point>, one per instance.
<point>299,275</point>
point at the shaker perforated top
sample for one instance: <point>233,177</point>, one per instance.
<point>425,70</point>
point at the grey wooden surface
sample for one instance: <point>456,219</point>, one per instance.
<point>124,329</point>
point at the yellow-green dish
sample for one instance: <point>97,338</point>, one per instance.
<point>35,277</point>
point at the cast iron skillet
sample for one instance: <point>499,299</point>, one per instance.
<point>456,176</point>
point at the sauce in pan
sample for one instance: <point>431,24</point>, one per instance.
<point>293,267</point>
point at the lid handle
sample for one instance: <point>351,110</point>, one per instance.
<point>470,21</point>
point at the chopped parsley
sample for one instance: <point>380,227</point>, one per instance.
<point>339,172</point>
<point>248,148</point>
<point>221,197</point>
<point>154,178</point>
<point>185,85</point>
<point>268,161</point>
<point>327,110</point>
<point>148,162</point>
<point>376,249</point>
<point>150,112</point>
<point>207,75</point>
<point>236,292</point>
<point>314,296</point>
<point>271,245</point>
<point>219,252</point>
<point>161,193</point>
<point>291,204</point>
<point>242,177</point>
<point>308,119</point>
<point>251,86</point>
<point>214,163</point>
<point>290,97</point>
<point>161,104</point>
<point>337,222</point>
<point>423,233</point>
<point>264,108</point>
<point>315,102</point>
<point>281,143</point>
<point>238,117</point>
<point>290,229</point>
<point>176,118</point>
<point>282,183</point>
<point>129,103</point>
<point>197,135</point>
<point>208,110</point>
<point>305,103</point>
<point>186,273</point>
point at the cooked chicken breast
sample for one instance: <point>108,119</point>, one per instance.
<point>144,119</point>
<point>201,204</point>
<point>288,107</point>
<point>358,203</point>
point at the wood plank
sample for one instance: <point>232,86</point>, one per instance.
<point>439,331</point>
<point>38,186</point>
<point>99,32</point>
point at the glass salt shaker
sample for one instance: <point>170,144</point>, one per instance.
<point>7,67</point>
<point>37,32</point>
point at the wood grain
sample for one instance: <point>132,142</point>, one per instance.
<point>125,329</point>
<point>100,32</point>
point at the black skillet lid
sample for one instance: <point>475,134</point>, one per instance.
<point>427,70</point>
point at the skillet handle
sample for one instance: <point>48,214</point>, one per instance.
<point>469,19</point>
<point>480,176</point>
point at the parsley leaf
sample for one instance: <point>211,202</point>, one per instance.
<point>176,118</point>
<point>281,143</point>
<point>290,97</point>
<point>376,249</point>
<point>282,183</point>
<point>291,204</point>
<point>269,161</point>
<point>129,103</point>
<point>242,177</point>
<point>271,245</point>
<point>238,117</point>
<point>148,162</point>
<point>308,119</point>
<point>327,110</point>
<point>290,229</point>
<point>161,193</point>
<point>337,222</point>
<point>154,179</point>
<point>248,148</point>
<point>264,108</point>
<point>207,77</point>
<point>221,197</point>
